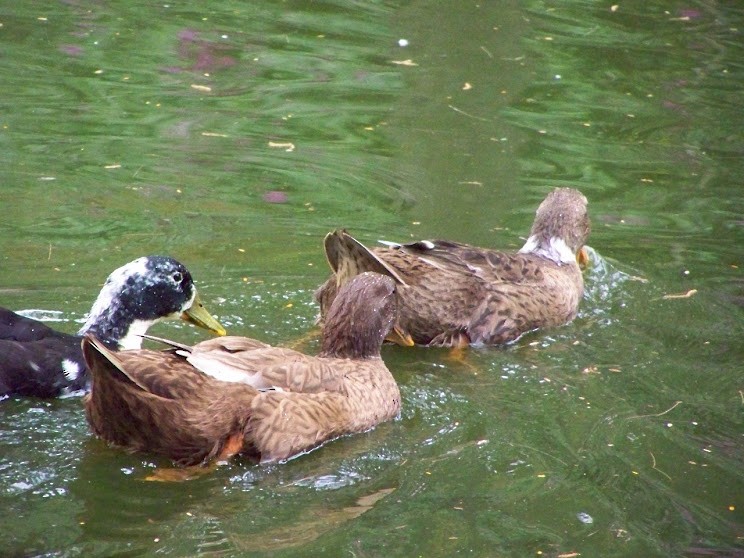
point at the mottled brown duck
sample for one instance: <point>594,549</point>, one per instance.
<point>279,403</point>
<point>453,294</point>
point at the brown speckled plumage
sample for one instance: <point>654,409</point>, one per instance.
<point>454,294</point>
<point>287,403</point>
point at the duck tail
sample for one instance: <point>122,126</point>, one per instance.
<point>102,360</point>
<point>348,258</point>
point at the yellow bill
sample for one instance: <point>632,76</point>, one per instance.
<point>400,337</point>
<point>199,316</point>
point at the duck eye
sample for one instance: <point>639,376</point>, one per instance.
<point>177,277</point>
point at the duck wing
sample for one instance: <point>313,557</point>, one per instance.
<point>36,360</point>
<point>44,367</point>
<point>15,327</point>
<point>245,360</point>
<point>460,294</point>
<point>465,260</point>
<point>155,401</point>
<point>162,374</point>
<point>249,361</point>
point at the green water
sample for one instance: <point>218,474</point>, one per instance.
<point>131,128</point>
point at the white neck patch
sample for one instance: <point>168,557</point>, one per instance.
<point>133,338</point>
<point>556,250</point>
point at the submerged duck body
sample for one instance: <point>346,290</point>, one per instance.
<point>38,361</point>
<point>453,294</point>
<point>279,402</point>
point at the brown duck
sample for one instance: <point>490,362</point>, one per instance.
<point>452,294</point>
<point>280,402</point>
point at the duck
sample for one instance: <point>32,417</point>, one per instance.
<point>39,361</point>
<point>456,295</point>
<point>236,395</point>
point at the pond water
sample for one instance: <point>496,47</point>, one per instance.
<point>234,135</point>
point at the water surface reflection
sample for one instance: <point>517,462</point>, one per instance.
<point>234,137</point>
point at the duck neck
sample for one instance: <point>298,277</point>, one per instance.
<point>349,341</point>
<point>114,327</point>
<point>552,248</point>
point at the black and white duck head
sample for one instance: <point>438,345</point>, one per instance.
<point>140,294</point>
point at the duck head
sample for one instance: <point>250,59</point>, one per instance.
<point>561,226</point>
<point>141,293</point>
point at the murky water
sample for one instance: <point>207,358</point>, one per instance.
<point>234,136</point>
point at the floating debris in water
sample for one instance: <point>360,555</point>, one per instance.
<point>286,145</point>
<point>688,294</point>
<point>585,518</point>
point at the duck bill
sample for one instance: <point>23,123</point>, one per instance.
<point>400,337</point>
<point>582,257</point>
<point>199,316</point>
